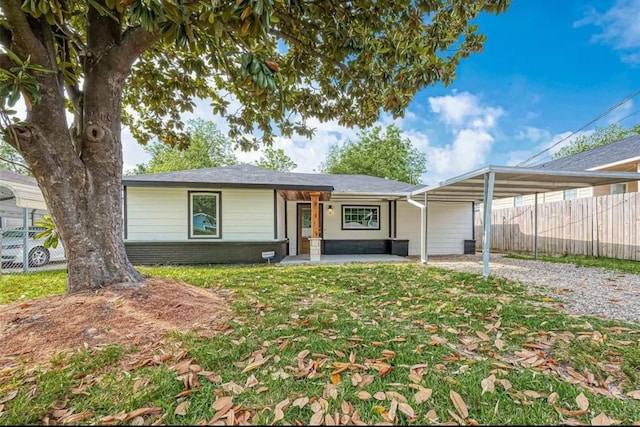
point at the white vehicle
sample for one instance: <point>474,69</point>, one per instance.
<point>38,255</point>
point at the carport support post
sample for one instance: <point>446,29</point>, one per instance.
<point>489,183</point>
<point>25,236</point>
<point>535,227</point>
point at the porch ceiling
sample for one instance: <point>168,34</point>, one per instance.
<point>298,195</point>
<point>514,181</point>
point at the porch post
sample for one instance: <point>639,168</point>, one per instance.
<point>425,224</point>
<point>489,182</point>
<point>25,237</point>
<point>314,241</point>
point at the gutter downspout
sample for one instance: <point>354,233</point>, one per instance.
<point>423,227</point>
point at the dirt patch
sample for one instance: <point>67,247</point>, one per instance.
<point>36,330</point>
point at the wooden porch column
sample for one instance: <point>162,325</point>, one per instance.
<point>315,248</point>
<point>315,214</point>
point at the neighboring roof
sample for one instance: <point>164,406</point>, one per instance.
<point>249,176</point>
<point>616,152</point>
<point>514,181</point>
<point>25,190</point>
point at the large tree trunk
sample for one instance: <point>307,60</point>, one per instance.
<point>80,172</point>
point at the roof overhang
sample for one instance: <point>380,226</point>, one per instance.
<point>270,186</point>
<point>513,181</point>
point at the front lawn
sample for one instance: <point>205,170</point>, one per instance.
<point>356,343</point>
<point>621,265</point>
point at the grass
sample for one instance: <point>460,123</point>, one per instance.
<point>394,329</point>
<point>621,265</point>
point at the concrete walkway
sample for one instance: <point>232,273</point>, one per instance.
<point>343,259</point>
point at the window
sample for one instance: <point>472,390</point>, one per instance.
<point>619,188</point>
<point>204,214</point>
<point>361,217</point>
<point>570,194</point>
<point>517,201</point>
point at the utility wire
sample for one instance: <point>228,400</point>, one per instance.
<point>627,98</point>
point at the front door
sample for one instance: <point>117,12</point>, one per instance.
<point>304,227</point>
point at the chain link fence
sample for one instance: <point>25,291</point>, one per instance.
<point>22,251</point>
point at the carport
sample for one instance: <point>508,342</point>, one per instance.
<point>483,185</point>
<point>20,199</point>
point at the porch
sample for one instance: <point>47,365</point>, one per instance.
<point>342,259</point>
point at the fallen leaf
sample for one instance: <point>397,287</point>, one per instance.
<point>75,418</point>
<point>406,410</point>
<point>482,335</point>
<point>279,415</point>
<point>461,407</point>
<point>256,364</point>
<point>336,379</point>
<point>601,420</point>
<point>316,419</point>
<point>635,394</point>
<point>422,395</point>
<point>534,394</point>
<point>11,395</point>
<point>181,409</point>
<point>222,403</point>
<point>363,395</point>
<point>380,396</point>
<point>378,409</point>
<point>553,398</point>
<point>582,402</point>
<point>488,384</point>
<point>569,413</point>
<point>432,416</point>
<point>392,410</point>
<point>499,344</point>
<point>300,402</point>
<point>137,421</point>
<point>395,395</point>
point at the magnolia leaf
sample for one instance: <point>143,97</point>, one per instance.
<point>380,395</point>
<point>582,402</point>
<point>363,395</point>
<point>181,409</point>
<point>316,419</point>
<point>422,395</point>
<point>256,364</point>
<point>461,407</point>
<point>406,409</point>
<point>300,402</point>
<point>553,398</point>
<point>488,384</point>
<point>222,403</point>
<point>601,420</point>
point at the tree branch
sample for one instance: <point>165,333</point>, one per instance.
<point>24,41</point>
<point>134,42</point>
<point>301,45</point>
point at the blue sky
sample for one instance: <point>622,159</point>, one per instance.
<point>547,68</point>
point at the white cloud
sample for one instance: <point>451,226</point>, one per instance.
<point>620,28</point>
<point>621,113</point>
<point>469,137</point>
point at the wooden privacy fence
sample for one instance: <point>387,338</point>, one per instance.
<point>604,226</point>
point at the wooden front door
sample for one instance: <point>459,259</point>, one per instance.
<point>304,227</point>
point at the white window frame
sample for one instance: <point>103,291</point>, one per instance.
<point>371,225</point>
<point>615,187</point>
<point>217,216</point>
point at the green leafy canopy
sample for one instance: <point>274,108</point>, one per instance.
<point>601,136</point>
<point>271,63</point>
<point>377,153</point>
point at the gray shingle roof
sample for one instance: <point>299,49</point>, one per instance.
<point>627,148</point>
<point>253,176</point>
<point>10,176</point>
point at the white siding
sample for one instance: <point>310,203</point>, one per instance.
<point>161,214</point>
<point>529,199</point>
<point>449,225</point>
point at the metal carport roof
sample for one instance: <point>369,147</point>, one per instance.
<point>483,185</point>
<point>515,181</point>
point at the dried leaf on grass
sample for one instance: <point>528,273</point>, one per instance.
<point>582,402</point>
<point>422,395</point>
<point>601,420</point>
<point>458,402</point>
<point>316,419</point>
<point>181,409</point>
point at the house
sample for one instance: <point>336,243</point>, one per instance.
<point>620,156</point>
<point>238,213</point>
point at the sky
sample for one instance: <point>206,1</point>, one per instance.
<point>548,68</point>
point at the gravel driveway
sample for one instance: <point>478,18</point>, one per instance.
<point>583,290</point>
